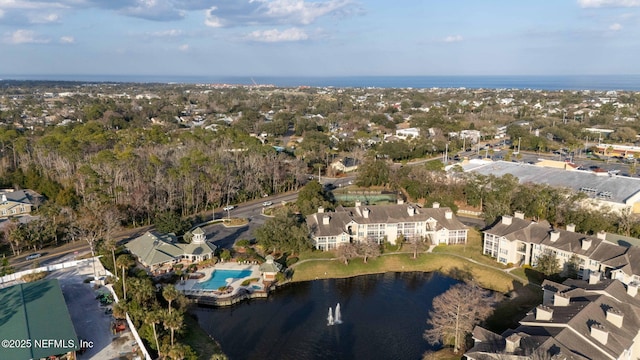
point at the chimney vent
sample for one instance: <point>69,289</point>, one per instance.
<point>544,313</point>
<point>594,277</point>
<point>358,203</point>
<point>561,299</point>
<point>400,201</point>
<point>320,209</point>
<point>554,235</point>
<point>365,213</point>
<point>325,219</point>
<point>518,215</point>
<point>411,210</point>
<point>599,333</point>
<point>615,317</point>
<point>632,288</point>
<point>448,214</point>
<point>513,343</point>
<point>436,205</point>
<point>602,235</point>
<point>571,227</point>
<point>586,244</point>
<point>506,219</point>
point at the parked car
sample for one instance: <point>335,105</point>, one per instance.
<point>267,203</point>
<point>33,256</point>
<point>228,208</point>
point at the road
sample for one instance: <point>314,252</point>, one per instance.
<point>220,235</point>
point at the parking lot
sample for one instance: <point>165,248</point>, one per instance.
<point>89,318</point>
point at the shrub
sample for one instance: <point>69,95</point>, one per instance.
<point>34,277</point>
<point>243,243</point>
<point>291,261</point>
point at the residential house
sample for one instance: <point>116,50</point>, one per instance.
<point>385,223</point>
<point>578,319</point>
<point>157,251</point>
<point>346,164</point>
<point>408,133</point>
<point>514,240</point>
<point>18,202</point>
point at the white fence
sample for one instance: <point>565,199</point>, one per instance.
<point>65,265</point>
<point>132,328</point>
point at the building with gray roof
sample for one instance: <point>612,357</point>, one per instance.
<point>578,319</point>
<point>604,189</point>
<point>518,241</point>
<point>385,222</point>
<point>154,250</point>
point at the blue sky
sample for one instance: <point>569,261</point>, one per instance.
<point>319,37</point>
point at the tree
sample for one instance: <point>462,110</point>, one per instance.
<point>346,252</point>
<point>172,322</point>
<point>311,197</point>
<point>124,262</point>
<point>170,293</point>
<point>368,248</point>
<point>373,172</point>
<point>171,222</point>
<point>456,312</point>
<point>416,244</point>
<point>153,317</point>
<point>548,264</point>
<point>286,232</point>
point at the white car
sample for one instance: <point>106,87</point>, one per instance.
<point>229,207</point>
<point>267,203</point>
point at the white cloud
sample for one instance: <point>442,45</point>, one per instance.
<point>24,37</point>
<point>275,35</point>
<point>44,18</point>
<point>229,13</point>
<point>615,27</point>
<point>67,40</point>
<point>608,3</point>
<point>212,20</point>
<point>453,38</point>
<point>167,33</point>
<point>184,47</point>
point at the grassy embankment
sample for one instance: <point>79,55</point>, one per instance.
<point>458,261</point>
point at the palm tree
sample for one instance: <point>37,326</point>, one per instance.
<point>124,262</point>
<point>170,294</point>
<point>120,310</point>
<point>112,245</point>
<point>144,290</point>
<point>173,322</point>
<point>153,317</point>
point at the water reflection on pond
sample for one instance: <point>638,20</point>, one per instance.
<point>383,317</point>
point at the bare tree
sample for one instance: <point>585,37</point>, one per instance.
<point>416,244</point>
<point>346,252</point>
<point>369,248</point>
<point>456,312</point>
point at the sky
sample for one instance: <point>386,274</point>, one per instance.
<point>319,37</point>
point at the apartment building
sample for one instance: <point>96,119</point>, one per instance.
<point>578,319</point>
<point>514,240</point>
<point>385,223</point>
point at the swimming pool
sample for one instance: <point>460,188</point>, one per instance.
<point>219,278</point>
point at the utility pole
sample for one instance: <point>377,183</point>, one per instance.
<point>519,145</point>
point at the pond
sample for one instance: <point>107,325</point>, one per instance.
<point>383,317</point>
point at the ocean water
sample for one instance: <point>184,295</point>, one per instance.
<point>556,82</point>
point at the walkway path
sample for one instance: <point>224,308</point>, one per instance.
<point>430,250</point>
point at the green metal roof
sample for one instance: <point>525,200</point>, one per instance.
<point>36,316</point>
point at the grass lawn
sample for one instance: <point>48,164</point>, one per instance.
<point>204,345</point>
<point>443,263</point>
<point>472,250</point>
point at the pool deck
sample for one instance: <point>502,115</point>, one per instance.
<point>192,287</point>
